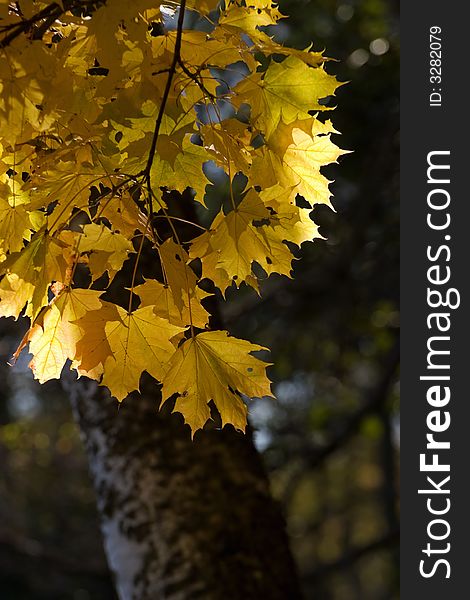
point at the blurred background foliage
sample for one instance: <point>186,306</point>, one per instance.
<point>331,439</point>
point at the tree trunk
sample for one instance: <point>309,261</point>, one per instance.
<point>181,519</point>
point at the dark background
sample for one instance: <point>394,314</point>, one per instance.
<point>331,439</point>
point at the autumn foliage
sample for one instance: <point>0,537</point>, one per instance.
<point>104,108</point>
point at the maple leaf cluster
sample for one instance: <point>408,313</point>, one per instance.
<point>104,108</point>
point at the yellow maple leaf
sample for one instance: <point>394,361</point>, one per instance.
<point>248,19</point>
<point>290,222</point>
<point>177,273</point>
<point>139,342</point>
<point>108,250</point>
<point>93,347</point>
<point>292,158</point>
<point>251,233</point>
<point>69,187</point>
<point>288,89</point>
<point>229,144</point>
<point>135,133</point>
<point>215,366</point>
<point>268,46</point>
<point>153,293</point>
<point>24,83</point>
<point>201,48</point>
<point>203,6</point>
<point>123,214</point>
<point>93,126</point>
<point>236,240</point>
<point>185,172</point>
<point>28,274</point>
<point>14,226</point>
<point>202,249</point>
<point>54,340</point>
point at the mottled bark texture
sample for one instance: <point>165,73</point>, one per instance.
<point>181,519</point>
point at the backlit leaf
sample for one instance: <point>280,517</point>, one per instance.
<point>214,366</point>
<point>145,160</point>
<point>139,342</point>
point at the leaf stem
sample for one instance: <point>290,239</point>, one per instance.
<point>136,264</point>
<point>181,221</point>
<point>180,245</point>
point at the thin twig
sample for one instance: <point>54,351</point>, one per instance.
<point>195,78</point>
<point>49,14</point>
<point>166,92</point>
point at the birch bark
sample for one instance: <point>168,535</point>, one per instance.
<point>181,519</point>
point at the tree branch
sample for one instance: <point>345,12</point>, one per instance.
<point>176,60</point>
<point>195,78</point>
<point>48,15</point>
